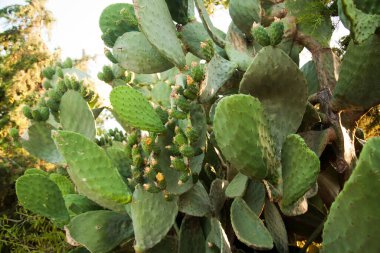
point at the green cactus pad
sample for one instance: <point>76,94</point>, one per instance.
<point>132,107</point>
<point>134,53</point>
<point>281,88</point>
<point>76,115</point>
<point>40,144</point>
<point>237,186</point>
<point>195,202</point>
<point>368,6</point>
<point>168,244</point>
<point>161,34</point>
<point>248,227</point>
<point>238,49</point>
<point>310,73</point>
<point>152,217</point>
<point>313,19</point>
<point>300,169</point>
<point>63,183</point>
<point>182,11</point>
<point>191,238</point>
<point>361,24</point>
<point>358,88</point>
<point>276,227</point>
<point>216,238</point>
<point>161,94</point>
<point>193,34</point>
<point>316,140</point>
<point>100,231</point>
<point>92,172</point>
<point>244,13</point>
<point>237,117</point>
<point>31,171</point>
<point>121,160</point>
<point>255,196</point>
<point>217,194</point>
<point>77,204</point>
<point>42,196</point>
<point>219,71</point>
<point>111,17</point>
<point>351,225</point>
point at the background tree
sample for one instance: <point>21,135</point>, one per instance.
<point>23,54</point>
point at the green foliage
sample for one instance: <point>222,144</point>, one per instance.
<point>27,232</point>
<point>209,149</point>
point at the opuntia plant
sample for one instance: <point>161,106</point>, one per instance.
<point>227,145</point>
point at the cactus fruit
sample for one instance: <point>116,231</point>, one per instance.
<point>27,112</point>
<point>275,32</point>
<point>260,34</point>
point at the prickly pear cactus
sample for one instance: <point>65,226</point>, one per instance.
<point>225,143</point>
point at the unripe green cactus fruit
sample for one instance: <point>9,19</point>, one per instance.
<point>275,32</point>
<point>48,73</point>
<point>27,112</point>
<point>261,35</point>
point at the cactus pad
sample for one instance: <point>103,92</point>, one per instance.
<point>132,107</point>
<point>352,222</point>
<point>92,172</point>
<point>195,202</point>
<point>63,183</point>
<point>40,144</point>
<point>361,24</point>
<point>100,231</point>
<point>276,227</point>
<point>255,196</point>
<point>193,34</point>
<point>238,49</point>
<point>191,238</point>
<point>219,71</point>
<point>181,11</point>
<point>237,117</point>
<point>161,34</point>
<point>42,196</point>
<point>310,73</point>
<point>248,227</point>
<point>244,13</point>
<point>281,88</point>
<point>113,20</point>
<point>152,217</point>
<point>77,204</point>
<point>76,116</point>
<point>358,88</point>
<point>300,169</point>
<point>237,186</point>
<point>134,53</point>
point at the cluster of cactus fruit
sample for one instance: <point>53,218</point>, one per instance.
<point>227,145</point>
